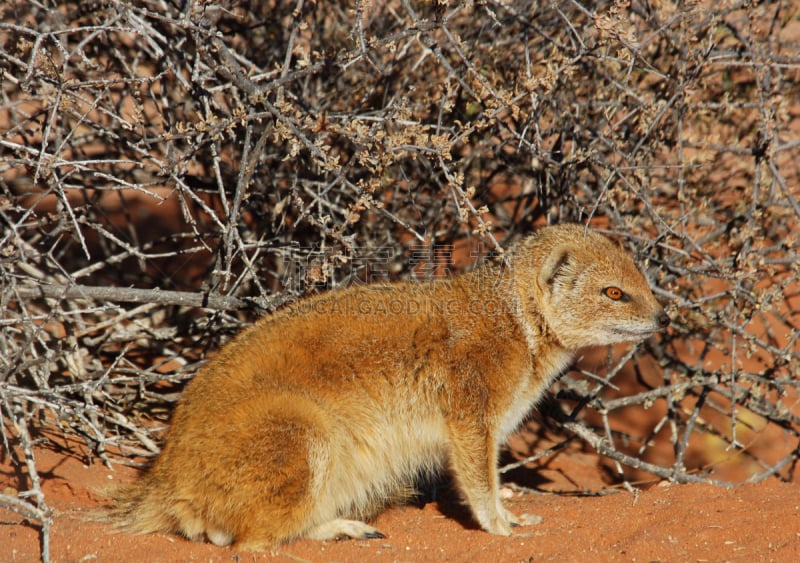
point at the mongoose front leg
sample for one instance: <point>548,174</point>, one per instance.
<point>473,460</point>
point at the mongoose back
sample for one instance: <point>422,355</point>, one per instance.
<point>315,418</point>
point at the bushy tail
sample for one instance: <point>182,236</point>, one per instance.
<point>136,509</point>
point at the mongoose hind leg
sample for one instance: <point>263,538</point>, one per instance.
<point>256,480</point>
<point>343,528</point>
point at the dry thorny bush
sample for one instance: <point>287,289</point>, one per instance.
<point>171,170</point>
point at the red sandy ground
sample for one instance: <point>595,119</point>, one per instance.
<point>664,523</point>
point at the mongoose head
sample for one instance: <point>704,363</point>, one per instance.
<point>585,288</point>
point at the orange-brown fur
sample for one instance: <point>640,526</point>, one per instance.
<point>314,418</point>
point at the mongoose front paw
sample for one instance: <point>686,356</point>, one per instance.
<point>523,520</point>
<point>529,520</point>
<point>512,518</point>
<point>501,528</point>
<point>498,525</point>
<point>506,520</point>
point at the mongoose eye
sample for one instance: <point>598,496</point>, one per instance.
<point>615,293</point>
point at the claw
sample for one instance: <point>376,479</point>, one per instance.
<point>343,529</point>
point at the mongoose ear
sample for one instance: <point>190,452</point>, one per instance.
<point>555,265</point>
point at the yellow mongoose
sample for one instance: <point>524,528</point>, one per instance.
<point>316,417</point>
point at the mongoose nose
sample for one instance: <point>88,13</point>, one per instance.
<point>663,320</point>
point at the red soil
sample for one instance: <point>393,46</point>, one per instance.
<point>666,522</point>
